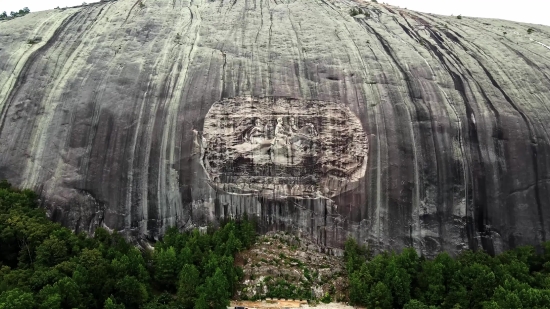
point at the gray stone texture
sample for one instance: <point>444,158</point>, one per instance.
<point>101,115</point>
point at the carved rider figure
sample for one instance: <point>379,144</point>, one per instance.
<point>257,133</point>
<point>292,124</point>
<point>281,136</point>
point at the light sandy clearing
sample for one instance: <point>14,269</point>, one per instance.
<point>274,304</point>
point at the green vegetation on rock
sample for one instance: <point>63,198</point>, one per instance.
<point>24,11</point>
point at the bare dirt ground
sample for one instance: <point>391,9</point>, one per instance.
<point>277,304</point>
<point>280,257</point>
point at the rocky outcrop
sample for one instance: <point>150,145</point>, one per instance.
<point>401,128</point>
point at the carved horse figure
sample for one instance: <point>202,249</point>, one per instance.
<point>304,137</point>
<point>255,134</point>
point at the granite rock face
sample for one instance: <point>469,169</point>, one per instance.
<point>394,127</point>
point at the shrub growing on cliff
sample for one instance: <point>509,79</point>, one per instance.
<point>326,298</point>
<point>33,41</point>
<point>530,30</point>
<point>354,12</point>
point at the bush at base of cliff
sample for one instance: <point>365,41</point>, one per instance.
<point>519,278</point>
<point>326,298</point>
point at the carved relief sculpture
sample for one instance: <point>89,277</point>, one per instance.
<point>282,148</point>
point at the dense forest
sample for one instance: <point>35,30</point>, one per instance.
<point>44,265</point>
<point>516,279</point>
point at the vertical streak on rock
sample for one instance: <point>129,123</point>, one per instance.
<point>533,143</point>
<point>22,89</point>
<point>540,90</point>
<point>459,86</point>
<point>369,226</point>
<point>300,62</point>
<point>48,30</point>
<point>12,84</point>
<point>270,90</point>
<point>404,214</point>
<point>534,146</point>
<point>136,212</point>
<point>444,199</point>
<point>368,92</point>
<point>169,199</point>
<point>458,209</point>
<point>62,76</point>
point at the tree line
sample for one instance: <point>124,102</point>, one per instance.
<point>24,11</point>
<point>44,265</point>
<point>516,279</point>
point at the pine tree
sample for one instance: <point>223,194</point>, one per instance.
<point>16,299</point>
<point>131,292</point>
<point>215,291</point>
<point>166,268</point>
<point>189,280</point>
<point>399,282</point>
<point>380,297</point>
<point>111,304</point>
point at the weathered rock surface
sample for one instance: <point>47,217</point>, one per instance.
<point>105,115</point>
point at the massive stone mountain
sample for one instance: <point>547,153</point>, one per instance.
<point>394,127</point>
